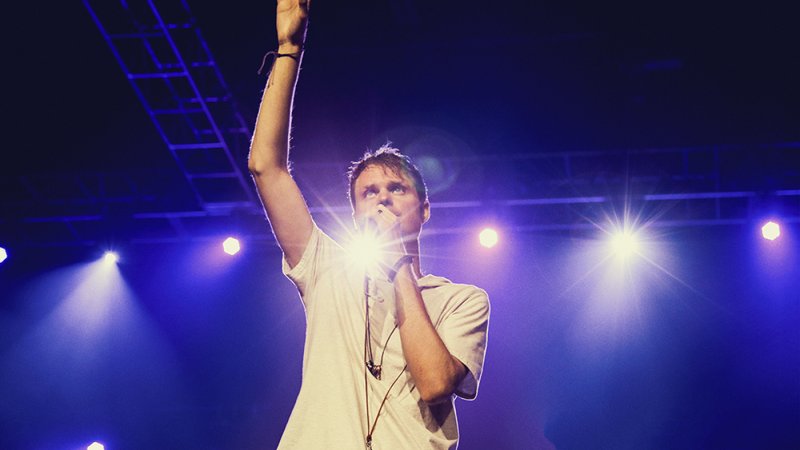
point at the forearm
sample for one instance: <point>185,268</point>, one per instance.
<point>269,151</point>
<point>270,145</point>
<point>435,371</point>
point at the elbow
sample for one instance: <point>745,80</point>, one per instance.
<point>258,167</point>
<point>253,169</point>
<point>436,393</point>
<point>265,159</point>
<point>254,166</point>
<point>441,387</point>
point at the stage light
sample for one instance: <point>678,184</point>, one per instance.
<point>488,237</point>
<point>771,230</point>
<point>624,243</point>
<point>110,257</point>
<point>231,246</point>
<point>96,446</point>
<point>365,250</point>
<point>3,254</point>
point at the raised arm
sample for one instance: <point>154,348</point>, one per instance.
<point>269,151</point>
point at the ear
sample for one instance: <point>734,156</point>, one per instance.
<point>426,211</point>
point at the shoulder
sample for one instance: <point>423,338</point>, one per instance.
<point>456,295</point>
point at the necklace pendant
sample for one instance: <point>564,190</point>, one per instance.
<point>374,369</point>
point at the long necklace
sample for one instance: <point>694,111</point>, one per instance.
<point>371,367</point>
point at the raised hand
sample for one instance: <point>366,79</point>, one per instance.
<point>291,23</point>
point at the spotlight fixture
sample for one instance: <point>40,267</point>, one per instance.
<point>95,446</point>
<point>771,230</point>
<point>3,254</point>
<point>624,243</point>
<point>488,237</point>
<point>231,246</point>
<point>110,257</point>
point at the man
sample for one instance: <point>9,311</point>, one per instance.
<point>386,349</point>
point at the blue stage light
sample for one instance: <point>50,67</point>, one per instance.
<point>488,237</point>
<point>110,257</point>
<point>771,230</point>
<point>3,254</point>
<point>95,446</point>
<point>624,243</point>
<point>231,246</point>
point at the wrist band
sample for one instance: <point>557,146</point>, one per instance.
<point>405,259</point>
<point>276,55</point>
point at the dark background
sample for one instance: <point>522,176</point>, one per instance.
<point>698,348</point>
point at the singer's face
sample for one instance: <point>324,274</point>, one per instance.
<point>378,185</point>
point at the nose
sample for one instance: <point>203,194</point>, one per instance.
<point>384,198</point>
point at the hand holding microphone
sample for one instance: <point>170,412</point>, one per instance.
<point>383,226</point>
<point>380,221</point>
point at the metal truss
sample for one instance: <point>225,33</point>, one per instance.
<point>533,192</point>
<point>173,73</point>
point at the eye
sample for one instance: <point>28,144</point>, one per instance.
<point>398,189</point>
<point>368,193</point>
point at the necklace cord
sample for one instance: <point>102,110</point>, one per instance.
<point>369,366</point>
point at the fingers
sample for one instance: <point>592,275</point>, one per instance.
<point>384,218</point>
<point>380,220</point>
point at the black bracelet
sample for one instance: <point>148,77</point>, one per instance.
<point>405,259</point>
<point>276,55</point>
<point>294,56</point>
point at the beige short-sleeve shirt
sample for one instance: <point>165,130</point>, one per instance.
<point>330,410</point>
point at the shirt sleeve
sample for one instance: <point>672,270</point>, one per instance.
<point>464,332</point>
<point>320,250</point>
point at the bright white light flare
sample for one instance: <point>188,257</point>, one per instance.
<point>110,257</point>
<point>365,250</point>
<point>624,244</point>
<point>771,230</point>
<point>231,246</point>
<point>488,237</point>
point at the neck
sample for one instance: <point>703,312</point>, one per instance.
<point>412,248</point>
